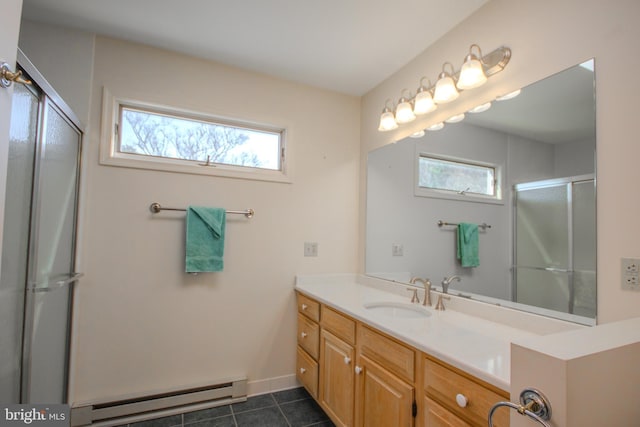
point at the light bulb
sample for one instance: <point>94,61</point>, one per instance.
<point>510,95</point>
<point>455,119</point>
<point>404,111</point>
<point>423,103</point>
<point>445,87</point>
<point>436,126</point>
<point>472,73</point>
<point>481,108</point>
<point>387,121</point>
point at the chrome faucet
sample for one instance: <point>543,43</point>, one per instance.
<point>447,281</point>
<point>427,289</point>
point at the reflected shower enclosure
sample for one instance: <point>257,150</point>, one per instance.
<point>555,245</point>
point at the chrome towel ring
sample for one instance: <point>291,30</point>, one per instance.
<point>533,404</point>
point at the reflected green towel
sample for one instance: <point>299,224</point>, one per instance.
<point>468,245</point>
<point>205,239</point>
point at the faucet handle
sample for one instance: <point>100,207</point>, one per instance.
<point>414,297</point>
<point>440,303</point>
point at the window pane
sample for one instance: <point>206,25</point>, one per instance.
<point>456,176</point>
<point>161,135</point>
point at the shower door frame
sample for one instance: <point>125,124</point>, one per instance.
<point>534,185</point>
<point>48,99</point>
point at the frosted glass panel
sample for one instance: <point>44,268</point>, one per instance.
<point>54,226</point>
<point>15,239</point>
<point>546,289</point>
<point>584,247</point>
<point>542,227</point>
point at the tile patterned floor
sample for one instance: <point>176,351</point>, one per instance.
<point>288,408</point>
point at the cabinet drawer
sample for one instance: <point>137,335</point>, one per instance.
<point>444,384</point>
<point>307,372</point>
<point>309,336</point>
<point>309,307</point>
<point>437,416</point>
<point>338,324</point>
<point>394,356</point>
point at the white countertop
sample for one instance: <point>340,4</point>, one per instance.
<point>478,346</point>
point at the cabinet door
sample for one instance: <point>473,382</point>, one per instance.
<point>382,399</point>
<point>337,379</point>
<point>437,416</point>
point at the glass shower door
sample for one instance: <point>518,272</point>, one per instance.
<point>555,245</point>
<point>542,247</point>
<point>51,270</point>
<point>15,241</point>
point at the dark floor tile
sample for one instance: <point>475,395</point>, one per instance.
<point>303,412</point>
<point>291,395</point>
<point>266,417</point>
<point>205,414</point>
<point>256,402</point>
<point>173,420</point>
<point>226,421</point>
<point>323,424</point>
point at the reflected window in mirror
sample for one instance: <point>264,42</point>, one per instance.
<point>439,176</point>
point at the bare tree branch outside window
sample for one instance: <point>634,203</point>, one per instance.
<point>179,138</point>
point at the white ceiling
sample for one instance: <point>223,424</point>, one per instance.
<point>348,46</point>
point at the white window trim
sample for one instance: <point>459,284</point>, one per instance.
<point>419,191</point>
<point>110,156</point>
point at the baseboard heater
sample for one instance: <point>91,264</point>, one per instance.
<point>124,411</point>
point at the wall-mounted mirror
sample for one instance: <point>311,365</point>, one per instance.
<point>525,168</point>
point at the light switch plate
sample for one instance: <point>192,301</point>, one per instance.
<point>311,249</point>
<point>630,274</point>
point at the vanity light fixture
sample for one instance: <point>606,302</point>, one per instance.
<point>509,95</point>
<point>423,101</point>
<point>455,119</point>
<point>387,119</point>
<point>404,110</point>
<point>475,71</point>
<point>472,72</point>
<point>436,126</point>
<point>445,87</point>
<point>480,108</point>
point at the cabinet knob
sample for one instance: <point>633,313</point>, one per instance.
<point>302,370</point>
<point>358,370</point>
<point>303,334</point>
<point>347,360</point>
<point>304,306</point>
<point>461,400</point>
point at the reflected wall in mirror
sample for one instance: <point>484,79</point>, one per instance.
<point>539,253</point>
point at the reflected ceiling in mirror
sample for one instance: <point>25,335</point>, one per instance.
<point>539,252</point>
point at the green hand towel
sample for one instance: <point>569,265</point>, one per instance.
<point>468,245</point>
<point>204,239</point>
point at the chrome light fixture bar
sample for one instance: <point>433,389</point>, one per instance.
<point>475,71</point>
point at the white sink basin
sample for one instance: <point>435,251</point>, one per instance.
<point>398,310</point>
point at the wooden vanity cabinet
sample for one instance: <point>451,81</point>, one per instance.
<point>385,392</point>
<point>308,351</point>
<point>454,398</point>
<point>364,378</point>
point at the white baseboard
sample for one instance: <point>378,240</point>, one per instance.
<point>270,385</point>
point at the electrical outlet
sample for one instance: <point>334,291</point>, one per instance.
<point>397,249</point>
<point>630,274</point>
<point>310,249</point>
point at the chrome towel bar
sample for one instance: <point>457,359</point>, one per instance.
<point>533,404</point>
<point>484,225</point>
<point>156,207</point>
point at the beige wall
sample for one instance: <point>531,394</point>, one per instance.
<point>141,323</point>
<point>65,58</point>
<point>546,37</point>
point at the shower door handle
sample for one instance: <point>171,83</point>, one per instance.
<point>57,284</point>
